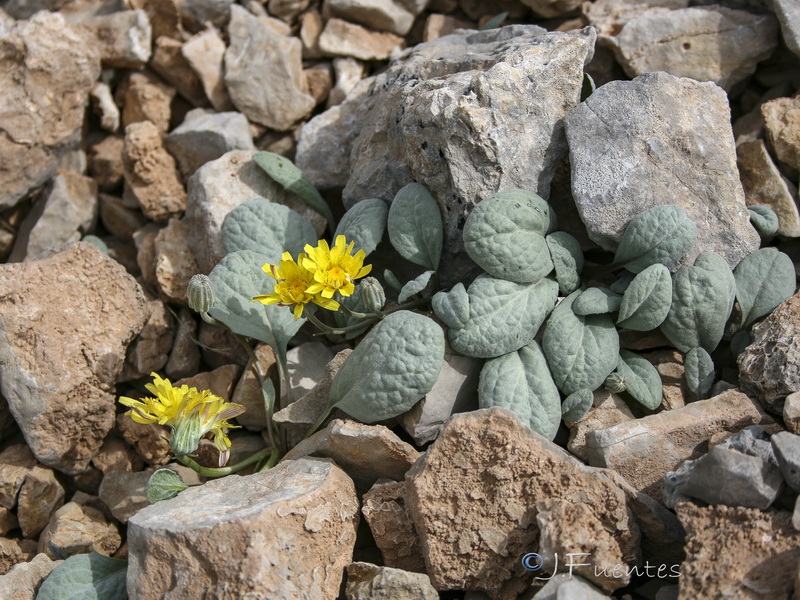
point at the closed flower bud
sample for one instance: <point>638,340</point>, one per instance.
<point>372,295</point>
<point>615,383</point>
<point>200,294</point>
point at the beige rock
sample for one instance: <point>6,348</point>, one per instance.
<point>340,38</point>
<point>118,219</point>
<point>151,174</point>
<point>184,359</point>
<point>348,72</point>
<point>124,38</point>
<point>384,508</point>
<point>59,367</point>
<point>607,409</point>
<point>23,580</point>
<point>175,263</point>
<point>644,450</point>
<point>608,17</point>
<point>46,73</point>
<point>740,553</point>
<point>16,462</point>
<point>285,533</point>
<point>145,240</point>
<point>365,452</point>
<point>669,364</point>
<point>437,26</point>
<point>104,106</point>
<point>125,494</point>
<point>791,412</point>
<point>116,455</point>
<point>149,350</point>
<point>205,53</point>
<point>394,16</point>
<point>764,184</point>
<point>366,581</point>
<point>287,10</point>
<point>220,381</point>
<point>147,440</point>
<point>170,63</point>
<point>475,496</point>
<point>311,26</point>
<point>105,162</point>
<point>319,81</point>
<point>782,125</point>
<point>80,529</point>
<point>164,15</point>
<point>8,521</point>
<point>40,496</point>
<point>14,551</point>
<point>147,99</point>
<point>248,390</point>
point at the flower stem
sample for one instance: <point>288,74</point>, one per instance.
<point>357,315</point>
<point>271,462</point>
<point>222,471</point>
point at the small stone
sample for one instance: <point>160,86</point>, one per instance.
<point>174,262</point>
<point>607,410</point>
<point>753,441</point>
<point>205,136</point>
<point>151,175</point>
<point>552,8</point>
<point>569,586</point>
<point>394,16</point>
<point>311,26</point>
<point>319,81</point>
<point>184,359</point>
<point>287,10</point>
<point>306,365</point>
<point>118,219</point>
<point>787,452</point>
<point>259,59</point>
<point>23,580</point>
<point>782,125</point>
<point>788,14</point>
<point>116,455</point>
<point>149,350</point>
<point>13,552</point>
<point>125,494</point>
<point>219,346</point>
<point>196,13</point>
<point>248,390</point>
<point>763,184</point>
<point>40,496</point>
<point>340,38</point>
<point>645,450</point>
<point>348,72</point>
<point>737,552</point>
<point>220,381</point>
<point>124,38</point>
<point>16,461</point>
<point>168,61</point>
<point>365,452</point>
<point>80,529</point>
<point>105,162</point>
<point>205,54</point>
<point>164,15</point>
<point>437,26</point>
<point>791,412</point>
<point>104,106</point>
<point>147,439</point>
<point>147,99</point>
<point>145,240</point>
<point>371,582</point>
<point>307,505</point>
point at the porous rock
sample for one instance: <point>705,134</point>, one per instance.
<point>285,533</point>
<point>653,141</point>
<point>58,366</point>
<point>476,495</point>
<point>366,581</point>
<point>78,529</point>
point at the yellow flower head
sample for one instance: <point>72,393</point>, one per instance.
<point>292,287</point>
<point>190,414</point>
<point>335,269</point>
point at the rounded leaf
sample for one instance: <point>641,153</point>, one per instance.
<point>452,307</point>
<point>662,234</point>
<point>764,279</point>
<point>763,219</point>
<point>86,577</point>
<point>576,405</point>
<point>642,380</point>
<point>646,302</point>
<point>415,286</point>
<point>567,256</point>
<point>365,224</point>
<point>163,485</point>
<point>415,226</point>
<point>699,369</point>
<point>596,301</point>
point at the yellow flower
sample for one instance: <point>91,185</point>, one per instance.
<point>292,287</point>
<point>190,413</point>
<point>334,269</point>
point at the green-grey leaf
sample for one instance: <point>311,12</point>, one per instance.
<point>364,223</point>
<point>764,279</point>
<point>504,235</point>
<point>576,405</point>
<point>662,234</point>
<point>642,379</point>
<point>699,370</point>
<point>163,485</point>
<point>415,226</point>
<point>763,219</point>
<point>415,286</point>
<point>392,368</point>
<point>646,302</point>
<point>521,382</point>
<point>495,21</point>
<point>284,171</point>
<point>712,261</point>
<point>581,351</point>
<point>452,307</point>
<point>267,228</point>
<point>701,304</point>
<point>567,256</point>
<point>596,301</point>
<point>236,280</point>
<point>392,281</point>
<point>503,316</point>
<point>740,342</point>
<point>86,577</point>
<point>268,393</point>
<point>587,87</point>
<point>624,279</point>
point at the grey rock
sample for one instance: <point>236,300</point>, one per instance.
<point>170,63</point>
<point>668,592</point>
<point>659,140</point>
<point>608,17</point>
<point>788,13</point>
<point>705,43</point>
<point>791,412</point>
<point>783,133</point>
<point>205,53</point>
<point>381,15</point>
<point>347,73</point>
<point>66,211</point>
<point>607,409</point>
<point>728,477</point>
<point>196,13</point>
<point>218,187</point>
<point>23,580</point>
<point>796,514</point>
<point>258,58</point>
<point>306,365</point>
<point>150,350</point>
<point>672,488</point>
<point>366,581</point>
<point>124,38</point>
<point>46,73</point>
<point>205,136</point>
<point>769,368</point>
<point>753,441</point>
<point>565,586</point>
<point>787,452</point>
<point>342,38</point>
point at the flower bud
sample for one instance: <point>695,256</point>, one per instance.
<point>200,294</point>
<point>615,383</point>
<point>372,295</point>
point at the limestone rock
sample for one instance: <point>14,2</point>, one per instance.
<point>669,364</point>
<point>80,529</point>
<point>259,59</point>
<point>769,368</point>
<point>476,495</point>
<point>46,73</point>
<point>175,263</point>
<point>147,99</point>
<point>740,553</point>
<point>248,390</point>
<point>205,136</point>
<point>287,10</point>
<point>342,38</point>
<point>23,580</point>
<point>120,221</point>
<point>365,452</point>
<point>124,38</point>
<point>170,63</point>
<point>116,455</point>
<point>395,16</point>
<point>184,359</point>
<point>791,412</point>
<point>311,26</point>
<point>782,125</point>
<point>105,162</point>
<point>205,54</point>
<point>148,352</point>
<point>125,494</point>
<point>607,410</point>
<point>644,450</point>
<point>16,461</point>
<point>787,453</point>
<point>384,508</point>
<point>39,497</point>
<point>196,13</point>
<point>318,81</point>
<point>608,17</point>
<point>164,16</point>
<point>61,392</point>
<point>437,25</point>
<point>13,552</point>
<point>104,106</point>
<point>151,175</point>
<point>371,582</point>
<point>659,140</point>
<point>306,364</point>
<point>147,439</point>
<point>706,43</point>
<point>788,13</point>
<point>285,533</point>
<point>347,73</point>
